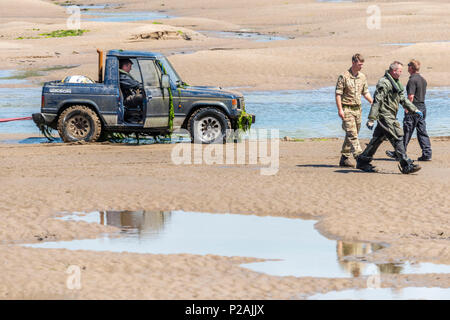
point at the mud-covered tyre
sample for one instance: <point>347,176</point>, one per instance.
<point>208,125</point>
<point>79,123</point>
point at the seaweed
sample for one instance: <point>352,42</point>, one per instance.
<point>64,33</point>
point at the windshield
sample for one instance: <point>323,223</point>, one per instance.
<point>171,72</point>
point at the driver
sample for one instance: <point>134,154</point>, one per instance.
<point>132,96</point>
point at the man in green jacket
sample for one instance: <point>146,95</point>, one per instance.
<point>388,95</point>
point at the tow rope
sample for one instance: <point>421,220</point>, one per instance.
<point>15,119</point>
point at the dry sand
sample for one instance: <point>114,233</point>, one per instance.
<point>324,37</point>
<point>411,213</point>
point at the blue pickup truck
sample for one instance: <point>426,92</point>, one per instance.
<point>89,111</point>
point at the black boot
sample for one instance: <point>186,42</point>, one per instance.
<point>363,163</point>
<point>409,168</point>
<point>345,162</point>
<point>391,154</point>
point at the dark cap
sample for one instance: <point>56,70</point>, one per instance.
<point>123,62</point>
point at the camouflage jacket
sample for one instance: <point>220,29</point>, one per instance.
<point>388,95</point>
<point>351,87</point>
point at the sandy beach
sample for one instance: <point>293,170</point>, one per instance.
<point>410,213</point>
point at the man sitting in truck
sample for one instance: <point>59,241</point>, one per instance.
<point>130,87</point>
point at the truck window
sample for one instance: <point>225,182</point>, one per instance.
<point>150,73</point>
<point>135,73</point>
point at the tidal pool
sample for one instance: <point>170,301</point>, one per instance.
<point>101,16</point>
<point>293,247</point>
<point>255,36</point>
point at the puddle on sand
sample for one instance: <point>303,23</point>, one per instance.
<point>123,16</point>
<point>412,43</point>
<point>410,293</point>
<point>255,36</point>
<point>301,250</point>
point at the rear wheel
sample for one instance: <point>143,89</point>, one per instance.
<point>208,125</point>
<point>79,123</point>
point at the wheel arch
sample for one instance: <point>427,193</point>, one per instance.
<point>88,103</point>
<point>205,104</point>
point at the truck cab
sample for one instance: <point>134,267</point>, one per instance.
<point>87,111</point>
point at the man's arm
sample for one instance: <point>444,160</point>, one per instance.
<point>339,106</point>
<point>128,83</point>
<point>368,97</point>
<point>366,93</point>
<point>339,92</point>
<point>407,104</point>
<point>380,94</point>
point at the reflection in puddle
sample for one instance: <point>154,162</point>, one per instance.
<point>301,251</point>
<point>411,293</point>
<point>255,36</point>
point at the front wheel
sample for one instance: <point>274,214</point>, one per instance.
<point>209,125</point>
<point>79,123</point>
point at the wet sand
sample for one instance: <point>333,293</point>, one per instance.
<point>411,213</point>
<point>408,212</point>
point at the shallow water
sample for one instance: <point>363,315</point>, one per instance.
<point>243,35</point>
<point>19,102</point>
<point>7,77</point>
<point>410,293</point>
<point>296,113</point>
<point>313,113</point>
<point>299,246</point>
<point>31,140</point>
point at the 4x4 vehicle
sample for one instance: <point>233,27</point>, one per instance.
<point>88,111</point>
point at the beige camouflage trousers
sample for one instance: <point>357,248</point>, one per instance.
<point>351,125</point>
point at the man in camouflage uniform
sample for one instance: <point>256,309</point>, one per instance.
<point>350,85</point>
<point>388,94</point>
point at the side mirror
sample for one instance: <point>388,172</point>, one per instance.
<point>165,81</point>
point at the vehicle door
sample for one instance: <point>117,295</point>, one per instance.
<point>157,115</point>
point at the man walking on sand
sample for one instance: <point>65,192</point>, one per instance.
<point>349,87</point>
<point>388,94</point>
<point>416,90</point>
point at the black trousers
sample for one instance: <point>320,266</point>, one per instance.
<point>411,122</point>
<point>380,135</point>
<point>134,101</point>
